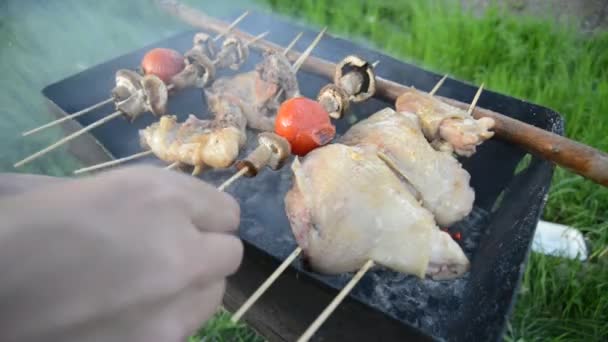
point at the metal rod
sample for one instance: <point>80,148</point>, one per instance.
<point>68,138</point>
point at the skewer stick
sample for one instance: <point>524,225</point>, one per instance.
<point>375,64</point>
<point>475,99</point>
<point>275,275</point>
<point>298,63</point>
<point>113,162</point>
<point>334,304</point>
<point>292,43</point>
<point>256,38</point>
<point>260,291</point>
<point>438,85</point>
<point>233,178</point>
<point>231,26</point>
<point>172,166</point>
<point>68,117</point>
<point>68,138</point>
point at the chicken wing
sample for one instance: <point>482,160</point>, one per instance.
<point>448,128</point>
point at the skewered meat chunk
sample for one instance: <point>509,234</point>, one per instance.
<point>447,127</point>
<point>247,99</point>
<point>346,207</point>
<point>437,177</point>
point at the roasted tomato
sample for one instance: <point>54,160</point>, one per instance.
<point>305,124</point>
<point>164,63</point>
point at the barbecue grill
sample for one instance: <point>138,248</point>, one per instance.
<point>385,306</point>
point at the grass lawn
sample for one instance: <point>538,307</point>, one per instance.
<point>528,58</point>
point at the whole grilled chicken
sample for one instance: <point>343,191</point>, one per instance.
<point>377,194</point>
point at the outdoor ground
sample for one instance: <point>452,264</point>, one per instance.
<point>526,57</point>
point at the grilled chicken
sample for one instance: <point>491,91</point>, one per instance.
<point>437,178</point>
<point>249,99</point>
<point>347,206</point>
<point>448,128</point>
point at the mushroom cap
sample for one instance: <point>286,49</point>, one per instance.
<point>127,82</point>
<point>164,63</point>
<point>280,149</point>
<point>334,99</point>
<point>156,94</point>
<point>358,64</point>
<point>199,71</point>
<point>203,43</point>
<point>240,51</point>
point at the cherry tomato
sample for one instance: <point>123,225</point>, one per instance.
<point>305,124</point>
<point>164,63</point>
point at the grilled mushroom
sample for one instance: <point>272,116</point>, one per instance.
<point>199,71</point>
<point>356,77</point>
<point>334,99</point>
<point>273,151</point>
<point>203,43</point>
<point>156,94</point>
<point>233,54</point>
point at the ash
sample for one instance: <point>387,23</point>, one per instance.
<point>425,304</point>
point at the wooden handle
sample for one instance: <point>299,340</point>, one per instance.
<point>576,157</point>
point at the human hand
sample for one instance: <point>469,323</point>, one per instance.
<point>137,254</point>
<point>17,183</point>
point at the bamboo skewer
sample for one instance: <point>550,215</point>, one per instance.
<point>68,117</point>
<point>260,291</point>
<point>475,99</point>
<point>438,85</point>
<point>113,162</point>
<point>172,166</point>
<point>316,324</point>
<point>68,138</point>
<point>233,178</point>
<point>231,26</point>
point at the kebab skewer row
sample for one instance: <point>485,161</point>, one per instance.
<point>188,133</point>
<point>574,156</point>
<point>167,63</point>
<point>333,305</point>
<point>301,117</point>
<point>135,95</point>
<point>310,331</point>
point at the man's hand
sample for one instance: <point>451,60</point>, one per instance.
<point>138,254</point>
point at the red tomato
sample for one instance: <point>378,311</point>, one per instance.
<point>164,63</point>
<point>305,124</point>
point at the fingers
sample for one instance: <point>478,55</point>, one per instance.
<point>198,304</point>
<point>212,256</point>
<point>209,209</point>
<point>16,184</point>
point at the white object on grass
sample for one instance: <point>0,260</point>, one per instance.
<point>559,240</point>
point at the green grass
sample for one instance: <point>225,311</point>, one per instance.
<point>528,58</point>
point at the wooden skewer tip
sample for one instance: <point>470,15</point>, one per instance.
<point>475,99</point>
<point>267,283</point>
<point>298,63</point>
<point>231,26</point>
<point>292,43</point>
<point>438,85</point>
<point>334,304</point>
<point>67,139</point>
